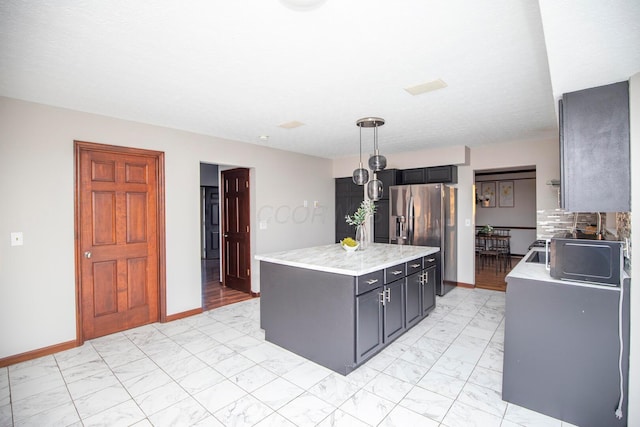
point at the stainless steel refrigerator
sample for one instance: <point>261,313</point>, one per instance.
<point>425,215</point>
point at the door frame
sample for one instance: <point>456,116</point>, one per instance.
<point>160,218</point>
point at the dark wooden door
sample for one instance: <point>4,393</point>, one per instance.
<point>118,246</point>
<point>211,222</point>
<point>236,229</point>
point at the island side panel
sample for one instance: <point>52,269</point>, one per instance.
<point>310,313</point>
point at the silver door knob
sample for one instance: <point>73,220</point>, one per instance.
<point>87,254</point>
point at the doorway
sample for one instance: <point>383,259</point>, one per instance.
<point>505,218</point>
<point>214,284</point>
<point>119,205</point>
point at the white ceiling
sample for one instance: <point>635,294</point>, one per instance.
<point>238,69</point>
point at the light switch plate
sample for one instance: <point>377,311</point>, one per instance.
<point>17,238</point>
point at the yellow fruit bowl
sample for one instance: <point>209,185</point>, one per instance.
<point>349,245</point>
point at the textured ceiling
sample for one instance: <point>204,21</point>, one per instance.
<point>238,69</point>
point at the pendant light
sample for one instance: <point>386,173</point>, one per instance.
<point>376,162</point>
<point>360,175</point>
<point>374,188</point>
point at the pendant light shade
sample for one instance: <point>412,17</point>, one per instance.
<point>374,188</point>
<point>377,162</point>
<point>360,175</point>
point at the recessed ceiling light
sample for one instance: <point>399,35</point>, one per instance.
<point>426,87</point>
<point>263,137</point>
<point>291,125</point>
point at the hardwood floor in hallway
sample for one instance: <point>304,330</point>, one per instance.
<point>488,278</point>
<point>215,295</point>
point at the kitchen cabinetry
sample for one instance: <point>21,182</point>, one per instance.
<point>420,289</point>
<point>431,175</point>
<point>561,349</point>
<point>338,320</point>
<point>388,177</point>
<point>380,315</point>
<point>594,149</point>
<point>348,199</point>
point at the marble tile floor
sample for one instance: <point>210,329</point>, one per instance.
<point>216,369</point>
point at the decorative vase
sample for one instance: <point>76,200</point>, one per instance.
<point>361,237</point>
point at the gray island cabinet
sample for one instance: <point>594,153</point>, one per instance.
<point>338,308</point>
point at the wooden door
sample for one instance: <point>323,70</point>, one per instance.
<point>119,224</point>
<point>211,220</point>
<point>236,229</point>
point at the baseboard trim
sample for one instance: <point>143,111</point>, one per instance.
<point>465,285</point>
<point>183,314</point>
<point>34,354</point>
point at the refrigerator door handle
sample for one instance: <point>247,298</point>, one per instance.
<point>410,221</point>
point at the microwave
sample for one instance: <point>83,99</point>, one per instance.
<point>586,260</point>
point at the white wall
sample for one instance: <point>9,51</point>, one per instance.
<point>37,280</point>
<point>543,154</point>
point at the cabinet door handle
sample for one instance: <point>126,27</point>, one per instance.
<point>381,298</point>
<point>395,273</point>
<point>388,294</point>
<point>371,281</point>
<point>415,265</point>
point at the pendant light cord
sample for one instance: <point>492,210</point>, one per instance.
<point>360,146</point>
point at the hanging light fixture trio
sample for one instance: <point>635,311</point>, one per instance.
<point>377,162</point>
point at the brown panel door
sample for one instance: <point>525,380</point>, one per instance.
<point>236,228</point>
<point>118,239</point>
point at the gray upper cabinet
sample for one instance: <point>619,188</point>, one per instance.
<point>594,149</point>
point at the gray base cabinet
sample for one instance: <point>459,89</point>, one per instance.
<point>393,309</point>
<point>561,351</point>
<point>368,324</point>
<point>428,291</point>
<point>340,321</point>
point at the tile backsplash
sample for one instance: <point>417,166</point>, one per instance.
<point>553,221</point>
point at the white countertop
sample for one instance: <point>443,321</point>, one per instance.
<point>536,271</point>
<point>334,259</point>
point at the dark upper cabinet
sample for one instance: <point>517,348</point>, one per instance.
<point>414,176</point>
<point>594,149</point>
<point>444,174</point>
<point>348,199</point>
<point>431,175</point>
<point>388,177</point>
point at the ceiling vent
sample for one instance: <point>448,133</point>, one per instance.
<point>291,125</point>
<point>426,87</point>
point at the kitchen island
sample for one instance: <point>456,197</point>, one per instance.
<point>562,345</point>
<point>339,308</point>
